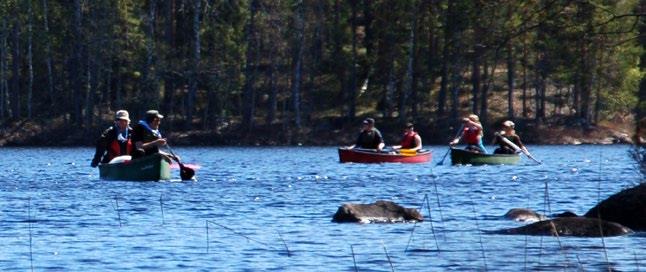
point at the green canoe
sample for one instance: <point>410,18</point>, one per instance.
<point>461,156</point>
<point>149,168</point>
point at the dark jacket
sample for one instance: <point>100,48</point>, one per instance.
<point>108,146</point>
<point>142,134</point>
<point>369,139</point>
<point>505,148</point>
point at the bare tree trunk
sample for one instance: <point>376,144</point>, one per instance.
<point>30,59</point>
<point>390,98</point>
<point>599,92</point>
<point>148,92</point>
<point>314,64</point>
<point>476,77</point>
<point>338,51</point>
<point>352,96</point>
<point>272,110</point>
<point>77,65</point>
<point>511,77</point>
<point>525,77</point>
<point>456,76</point>
<point>169,75</point>
<point>248,103</point>
<point>298,63</point>
<point>50,73</point>
<point>409,74</point>
<point>487,80</point>
<point>433,47</point>
<point>4,90</point>
<point>444,80</point>
<point>89,87</point>
<point>14,96</point>
<point>195,77</point>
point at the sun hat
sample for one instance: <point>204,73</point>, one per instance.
<point>508,124</point>
<point>122,115</point>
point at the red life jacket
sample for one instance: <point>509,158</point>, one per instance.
<point>114,150</point>
<point>471,135</point>
<point>408,140</point>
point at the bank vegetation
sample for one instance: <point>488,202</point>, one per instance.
<point>252,71</point>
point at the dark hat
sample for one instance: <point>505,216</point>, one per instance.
<point>152,114</point>
<point>369,121</point>
<point>408,125</point>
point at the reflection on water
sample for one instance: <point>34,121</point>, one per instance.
<point>270,209</point>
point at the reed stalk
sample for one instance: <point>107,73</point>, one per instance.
<point>603,240</point>
<point>439,203</point>
<point>31,250</point>
<point>354,260</point>
<point>116,201</point>
<point>285,244</point>
<point>390,261</point>
<point>475,216</point>
<point>242,235</point>
<point>161,206</point>
<point>430,219</point>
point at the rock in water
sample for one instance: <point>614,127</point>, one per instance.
<point>378,212</point>
<point>627,207</point>
<point>524,215</point>
<point>571,226</point>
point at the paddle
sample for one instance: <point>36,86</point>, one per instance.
<point>447,152</point>
<point>185,172</point>
<point>517,149</point>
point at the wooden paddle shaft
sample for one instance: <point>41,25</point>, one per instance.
<point>510,143</point>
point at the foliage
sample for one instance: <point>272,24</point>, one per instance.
<point>386,58</point>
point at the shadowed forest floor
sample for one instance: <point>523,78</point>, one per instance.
<point>330,132</point>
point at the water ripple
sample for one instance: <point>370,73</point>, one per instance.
<point>270,209</point>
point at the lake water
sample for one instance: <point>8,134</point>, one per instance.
<point>270,209</point>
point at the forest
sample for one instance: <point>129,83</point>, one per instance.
<point>242,68</point>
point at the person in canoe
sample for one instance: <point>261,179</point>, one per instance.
<point>370,137</point>
<point>508,133</point>
<point>472,133</point>
<point>114,141</point>
<point>147,138</point>
<point>410,140</point>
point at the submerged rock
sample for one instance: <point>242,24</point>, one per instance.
<point>570,226</point>
<point>378,212</point>
<point>524,215</point>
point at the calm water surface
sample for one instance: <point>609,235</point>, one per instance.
<point>270,209</point>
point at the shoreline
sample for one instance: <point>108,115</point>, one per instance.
<point>321,135</point>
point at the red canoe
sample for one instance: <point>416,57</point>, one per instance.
<point>370,156</point>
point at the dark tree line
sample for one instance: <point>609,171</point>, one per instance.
<point>252,62</point>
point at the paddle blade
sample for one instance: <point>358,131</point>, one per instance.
<point>186,173</point>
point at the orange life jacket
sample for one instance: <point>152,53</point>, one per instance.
<point>408,140</point>
<point>114,150</point>
<point>471,135</point>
